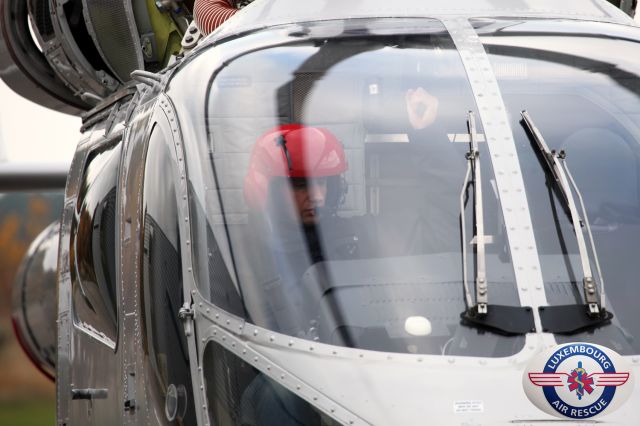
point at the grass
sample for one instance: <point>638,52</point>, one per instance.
<point>28,413</point>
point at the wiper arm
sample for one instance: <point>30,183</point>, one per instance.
<point>556,167</point>
<point>504,319</point>
<point>473,166</point>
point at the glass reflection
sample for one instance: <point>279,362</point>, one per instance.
<point>329,208</point>
<point>93,247</point>
<point>240,395</point>
<point>582,85</point>
<point>162,291</point>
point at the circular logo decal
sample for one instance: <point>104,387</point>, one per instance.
<point>578,381</point>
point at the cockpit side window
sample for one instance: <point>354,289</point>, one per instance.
<point>162,291</point>
<point>94,246</point>
<point>240,394</point>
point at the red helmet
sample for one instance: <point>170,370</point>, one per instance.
<point>294,151</point>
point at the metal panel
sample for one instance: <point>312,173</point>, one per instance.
<point>20,58</point>
<point>506,166</point>
<point>81,69</point>
<point>112,27</point>
<point>266,13</point>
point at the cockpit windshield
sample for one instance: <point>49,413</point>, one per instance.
<point>580,82</point>
<point>330,195</point>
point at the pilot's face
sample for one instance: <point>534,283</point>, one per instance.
<point>309,197</point>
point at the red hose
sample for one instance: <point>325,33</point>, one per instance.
<point>210,14</point>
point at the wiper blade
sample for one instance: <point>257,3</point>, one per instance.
<point>473,166</point>
<point>511,320</point>
<point>556,167</point>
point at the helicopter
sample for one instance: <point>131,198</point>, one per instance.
<point>476,236</point>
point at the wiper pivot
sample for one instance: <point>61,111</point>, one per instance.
<point>571,319</point>
<point>502,319</point>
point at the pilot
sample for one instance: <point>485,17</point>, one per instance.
<point>296,182</point>
<point>293,187</point>
<point>210,14</point>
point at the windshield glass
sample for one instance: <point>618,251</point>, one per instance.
<point>580,83</point>
<point>329,201</point>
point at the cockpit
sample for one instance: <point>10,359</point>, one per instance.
<point>389,245</point>
<point>410,234</point>
<point>390,248</point>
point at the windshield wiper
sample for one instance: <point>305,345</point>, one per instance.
<point>504,319</point>
<point>571,318</point>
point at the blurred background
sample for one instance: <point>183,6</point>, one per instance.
<point>26,395</point>
<point>28,133</point>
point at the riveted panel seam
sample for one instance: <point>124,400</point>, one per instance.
<point>506,166</point>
